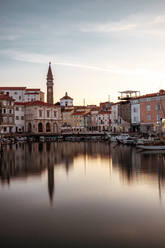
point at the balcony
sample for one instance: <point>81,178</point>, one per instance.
<point>128,95</point>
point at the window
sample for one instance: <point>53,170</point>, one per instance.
<point>10,119</point>
<point>148,108</point>
<point>158,117</point>
<point>48,112</point>
<point>17,108</point>
<point>15,93</point>
<point>4,111</point>
<point>134,118</point>
<point>17,117</point>
<point>54,113</point>
<point>134,109</point>
<point>19,97</point>
<point>158,106</point>
<point>22,117</point>
<point>4,129</point>
<point>40,113</point>
<point>148,117</point>
<point>10,111</point>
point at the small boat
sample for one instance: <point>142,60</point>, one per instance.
<point>129,141</point>
<point>42,139</point>
<point>151,147</point>
<point>143,141</point>
<point>121,138</point>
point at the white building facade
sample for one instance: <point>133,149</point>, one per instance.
<point>42,117</point>
<point>19,117</point>
<point>135,115</point>
<point>66,101</point>
<point>23,94</point>
<point>114,118</point>
<point>104,121</point>
<point>7,121</point>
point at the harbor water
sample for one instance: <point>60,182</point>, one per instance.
<point>81,194</point>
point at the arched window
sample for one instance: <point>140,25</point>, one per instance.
<point>47,127</point>
<point>55,128</point>
<point>29,127</point>
<point>40,127</point>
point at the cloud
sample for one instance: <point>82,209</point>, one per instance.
<point>10,37</point>
<point>159,19</point>
<point>108,27</point>
<point>133,25</point>
<point>146,73</point>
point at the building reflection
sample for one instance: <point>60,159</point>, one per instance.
<point>33,159</point>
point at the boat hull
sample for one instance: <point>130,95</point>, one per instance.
<point>151,147</point>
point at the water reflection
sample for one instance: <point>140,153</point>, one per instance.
<point>99,196</point>
<point>24,160</point>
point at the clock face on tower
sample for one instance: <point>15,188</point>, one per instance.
<point>49,89</point>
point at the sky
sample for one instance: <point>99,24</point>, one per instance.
<point>96,47</point>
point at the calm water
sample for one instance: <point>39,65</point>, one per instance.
<point>81,195</point>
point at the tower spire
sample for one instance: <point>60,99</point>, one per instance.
<point>50,85</point>
<point>50,74</point>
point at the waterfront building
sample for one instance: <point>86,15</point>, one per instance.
<point>78,120</point>
<point>104,121</point>
<point>94,112</point>
<point>23,94</point>
<point>19,110</point>
<point>124,109</point>
<point>104,106</point>
<point>66,101</point>
<point>67,118</point>
<point>6,114</point>
<point>135,115</point>
<point>41,117</point>
<point>114,118</point>
<point>33,95</point>
<point>152,111</point>
<point>50,84</point>
<point>88,121</point>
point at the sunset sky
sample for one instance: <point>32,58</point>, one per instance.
<point>97,47</point>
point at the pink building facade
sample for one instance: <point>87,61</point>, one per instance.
<point>152,111</point>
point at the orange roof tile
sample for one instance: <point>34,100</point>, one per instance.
<point>12,88</point>
<point>6,97</point>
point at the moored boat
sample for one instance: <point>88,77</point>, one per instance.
<point>151,147</point>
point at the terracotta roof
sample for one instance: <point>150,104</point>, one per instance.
<point>95,109</point>
<point>104,112</point>
<point>78,113</point>
<point>66,97</point>
<point>20,103</point>
<point>67,110</point>
<point>160,93</point>
<point>32,93</point>
<point>35,103</point>
<point>12,88</point>
<point>6,97</point>
<point>86,114</point>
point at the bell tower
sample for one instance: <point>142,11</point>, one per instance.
<point>50,85</point>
